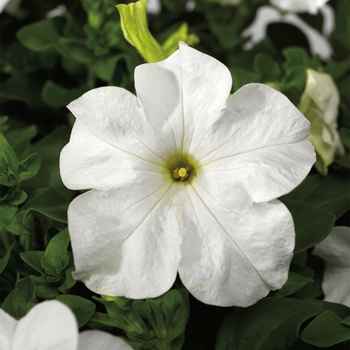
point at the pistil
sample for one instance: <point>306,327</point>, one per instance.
<point>181,173</point>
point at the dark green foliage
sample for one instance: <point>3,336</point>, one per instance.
<point>47,62</point>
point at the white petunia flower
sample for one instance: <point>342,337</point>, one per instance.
<point>51,325</point>
<point>311,6</point>
<point>266,15</point>
<point>3,4</point>
<point>184,180</point>
<point>154,7</point>
<point>319,103</point>
<point>335,251</point>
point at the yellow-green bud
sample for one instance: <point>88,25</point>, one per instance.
<point>319,103</point>
<point>136,32</point>
<point>172,43</point>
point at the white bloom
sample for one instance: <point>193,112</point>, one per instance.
<point>335,251</point>
<point>311,6</point>
<point>221,227</point>
<point>154,6</point>
<point>318,43</point>
<point>9,6</point>
<point>319,103</point>
<point>95,339</point>
<point>3,4</point>
<point>51,325</point>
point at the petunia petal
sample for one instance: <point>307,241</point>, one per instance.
<point>166,92</point>
<point>260,143</point>
<point>235,251</point>
<point>311,6</point>
<point>114,115</point>
<point>336,284</point>
<point>48,325</point>
<point>95,339</point>
<point>7,328</point>
<point>335,251</point>
<point>126,241</point>
<point>89,162</point>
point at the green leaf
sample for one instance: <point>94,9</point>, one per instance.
<point>19,139</point>
<point>227,22</point>
<point>8,158</point>
<point>49,149</point>
<point>47,201</point>
<point>102,321</point>
<point>312,224</point>
<point>58,244</point>
<point>7,213</point>
<point>56,95</point>
<point>43,289</point>
<point>326,330</point>
<point>343,160</point>
<point>296,57</point>
<point>82,308</point>
<point>29,167</point>
<point>267,67</point>
<point>340,310</point>
<point>119,308</point>
<point>33,259</point>
<point>3,126</point>
<point>345,136</point>
<point>56,257</point>
<point>160,322</point>
<point>38,36</point>
<point>18,198</point>
<point>338,69</point>
<point>329,193</point>
<point>346,321</point>
<point>293,84</point>
<point>75,50</point>
<point>69,281</point>
<point>104,67</point>
<point>342,24</point>
<point>298,278</point>
<point>300,258</point>
<point>242,77</point>
<point>174,6</point>
<point>5,258</point>
<point>271,323</point>
<point>21,299</point>
<point>24,87</point>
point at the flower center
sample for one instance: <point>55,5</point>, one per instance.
<point>181,167</point>
<point>181,173</point>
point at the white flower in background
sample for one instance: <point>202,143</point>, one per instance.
<point>154,6</point>
<point>311,6</point>
<point>3,4</point>
<point>184,180</point>
<point>319,103</point>
<point>99,340</point>
<point>335,251</point>
<point>51,325</point>
<point>9,6</point>
<point>319,43</point>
